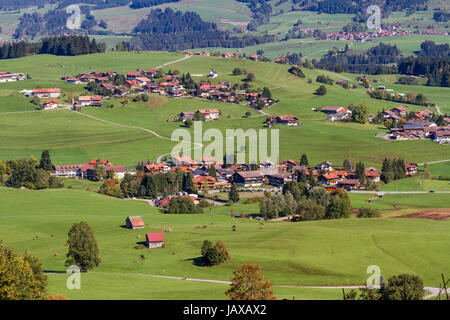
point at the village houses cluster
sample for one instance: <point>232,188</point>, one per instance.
<point>243,175</point>
<point>10,77</point>
<point>152,81</point>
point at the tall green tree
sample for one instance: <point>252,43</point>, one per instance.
<point>311,179</point>
<point>212,171</point>
<point>360,172</point>
<point>233,195</point>
<point>188,183</point>
<point>304,160</point>
<point>46,162</point>
<point>347,165</point>
<point>83,247</point>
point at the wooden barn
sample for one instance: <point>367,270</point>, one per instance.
<point>135,222</point>
<point>154,240</point>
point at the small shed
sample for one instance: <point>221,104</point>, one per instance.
<point>154,240</point>
<point>135,222</point>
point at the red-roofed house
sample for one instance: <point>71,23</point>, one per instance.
<point>372,174</point>
<point>134,75</point>
<point>134,222</point>
<point>411,168</point>
<point>210,114</point>
<point>50,104</point>
<point>329,178</point>
<point>47,93</point>
<point>93,101</point>
<point>155,168</point>
<point>154,240</point>
<point>333,109</point>
<point>204,182</point>
<point>288,120</point>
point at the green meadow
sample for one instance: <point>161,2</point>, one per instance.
<point>335,252</point>
<point>74,137</point>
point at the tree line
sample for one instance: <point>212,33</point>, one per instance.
<point>57,45</point>
<point>372,61</point>
<point>307,200</point>
<point>29,173</point>
<point>138,4</point>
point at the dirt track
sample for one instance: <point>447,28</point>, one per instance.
<point>434,214</point>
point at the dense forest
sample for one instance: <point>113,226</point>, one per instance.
<point>51,23</point>
<point>355,6</point>
<point>8,5</point>
<point>261,11</point>
<point>372,61</point>
<point>62,45</point>
<point>432,61</point>
<point>437,69</point>
<point>138,4</point>
<point>186,30</point>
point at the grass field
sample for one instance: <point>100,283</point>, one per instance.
<point>311,253</point>
<point>228,13</point>
<point>74,137</point>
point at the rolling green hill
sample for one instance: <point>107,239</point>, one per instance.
<point>320,139</point>
<point>333,252</point>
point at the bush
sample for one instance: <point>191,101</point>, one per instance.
<point>214,255</point>
<point>183,205</point>
<point>367,213</point>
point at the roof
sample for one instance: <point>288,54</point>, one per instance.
<point>90,98</point>
<point>250,174</point>
<point>282,175</point>
<point>46,90</point>
<point>202,179</point>
<point>136,221</point>
<point>330,176</point>
<point>287,117</point>
<point>208,111</point>
<point>400,108</point>
<point>331,108</point>
<point>155,166</point>
<point>155,237</point>
<point>349,181</point>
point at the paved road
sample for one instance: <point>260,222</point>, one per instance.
<point>433,292</point>
<point>433,162</point>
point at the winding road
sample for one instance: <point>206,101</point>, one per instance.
<point>433,292</point>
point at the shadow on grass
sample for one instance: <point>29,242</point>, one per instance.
<point>198,261</point>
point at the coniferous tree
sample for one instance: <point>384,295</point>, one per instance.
<point>188,184</point>
<point>360,172</point>
<point>46,162</point>
<point>304,160</point>
<point>311,179</point>
<point>212,171</point>
<point>302,177</point>
<point>233,195</point>
<point>347,165</point>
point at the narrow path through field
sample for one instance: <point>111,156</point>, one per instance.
<point>433,292</point>
<point>197,145</point>
<point>174,61</point>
